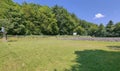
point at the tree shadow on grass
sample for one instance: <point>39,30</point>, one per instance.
<point>96,60</point>
<point>114,47</point>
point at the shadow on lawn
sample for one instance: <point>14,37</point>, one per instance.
<point>96,60</point>
<point>114,47</point>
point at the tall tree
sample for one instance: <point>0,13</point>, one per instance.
<point>117,29</point>
<point>110,28</point>
<point>15,17</point>
<point>92,30</point>
<point>101,32</point>
<point>48,21</point>
<point>64,20</point>
<point>4,5</point>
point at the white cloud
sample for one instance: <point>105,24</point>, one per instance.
<point>98,16</point>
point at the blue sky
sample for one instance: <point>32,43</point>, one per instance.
<point>96,11</point>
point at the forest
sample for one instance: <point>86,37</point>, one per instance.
<point>35,19</point>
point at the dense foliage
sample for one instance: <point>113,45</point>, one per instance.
<point>34,19</point>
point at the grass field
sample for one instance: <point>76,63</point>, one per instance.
<point>53,54</point>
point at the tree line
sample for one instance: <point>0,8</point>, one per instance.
<point>35,19</point>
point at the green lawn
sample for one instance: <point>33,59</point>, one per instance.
<point>53,54</point>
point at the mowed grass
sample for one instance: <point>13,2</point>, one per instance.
<point>54,54</point>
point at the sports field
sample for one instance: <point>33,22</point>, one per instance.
<point>55,54</point>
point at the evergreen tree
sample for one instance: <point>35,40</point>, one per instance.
<point>101,32</point>
<point>117,29</point>
<point>110,28</point>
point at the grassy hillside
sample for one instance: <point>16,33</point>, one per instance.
<point>53,54</point>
